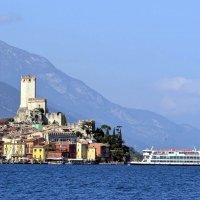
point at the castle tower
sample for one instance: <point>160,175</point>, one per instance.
<point>28,90</point>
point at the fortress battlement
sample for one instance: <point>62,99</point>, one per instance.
<point>28,77</point>
<point>37,100</point>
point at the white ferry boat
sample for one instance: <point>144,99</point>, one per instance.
<point>169,157</point>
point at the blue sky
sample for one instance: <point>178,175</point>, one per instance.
<point>139,54</point>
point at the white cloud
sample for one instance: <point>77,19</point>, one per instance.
<point>180,84</point>
<point>179,95</point>
<point>9,18</point>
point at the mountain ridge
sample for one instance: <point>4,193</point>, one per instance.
<point>141,128</point>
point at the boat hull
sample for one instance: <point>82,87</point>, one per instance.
<point>164,164</point>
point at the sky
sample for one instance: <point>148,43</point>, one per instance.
<point>139,54</point>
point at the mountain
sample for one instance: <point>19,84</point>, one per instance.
<point>9,100</point>
<point>141,128</point>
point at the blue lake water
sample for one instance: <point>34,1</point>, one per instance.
<point>99,182</point>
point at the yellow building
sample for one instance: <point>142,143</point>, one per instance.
<point>14,151</point>
<point>91,154</point>
<point>81,150</point>
<point>39,153</point>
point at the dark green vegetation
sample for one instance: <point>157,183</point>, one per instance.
<point>119,151</point>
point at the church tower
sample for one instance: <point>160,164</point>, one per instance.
<point>28,90</point>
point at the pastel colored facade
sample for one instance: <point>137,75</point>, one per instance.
<point>6,139</point>
<point>14,151</point>
<point>81,150</point>
<point>28,90</point>
<point>39,153</point>
<point>102,150</point>
<point>36,134</point>
<point>91,154</point>
<point>62,146</point>
<point>68,147</point>
<point>59,136</point>
<point>30,144</point>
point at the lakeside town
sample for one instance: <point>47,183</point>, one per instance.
<point>35,136</point>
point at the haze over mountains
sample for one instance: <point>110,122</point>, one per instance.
<point>141,128</point>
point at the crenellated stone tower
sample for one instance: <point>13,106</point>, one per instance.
<point>28,90</point>
<point>28,95</point>
<point>34,110</point>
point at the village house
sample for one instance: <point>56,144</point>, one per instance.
<point>14,151</point>
<point>102,151</point>
<point>36,134</point>
<point>91,154</point>
<point>81,149</point>
<point>40,153</point>
<point>30,143</point>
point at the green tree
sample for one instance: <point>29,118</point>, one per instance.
<point>117,155</point>
<point>63,120</point>
<point>106,128</point>
<point>135,155</point>
<point>114,131</point>
<point>119,139</point>
<point>119,151</point>
<point>79,134</point>
<point>99,135</point>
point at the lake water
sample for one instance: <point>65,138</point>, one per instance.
<point>99,182</point>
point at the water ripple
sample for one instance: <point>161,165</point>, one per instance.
<point>53,182</point>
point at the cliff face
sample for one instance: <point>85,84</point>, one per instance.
<point>141,128</point>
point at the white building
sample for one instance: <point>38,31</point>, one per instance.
<point>28,90</point>
<point>32,109</point>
